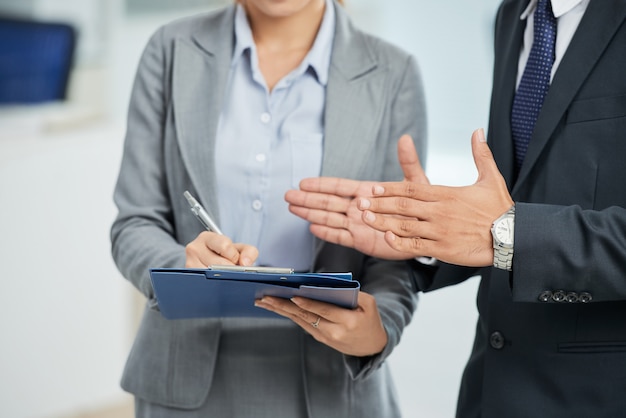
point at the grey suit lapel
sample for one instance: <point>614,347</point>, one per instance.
<point>354,96</point>
<point>596,29</point>
<point>199,79</point>
<point>355,92</point>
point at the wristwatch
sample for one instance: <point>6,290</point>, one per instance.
<point>502,232</point>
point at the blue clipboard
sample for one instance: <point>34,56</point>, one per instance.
<point>211,293</point>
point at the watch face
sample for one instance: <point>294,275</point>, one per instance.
<point>503,230</point>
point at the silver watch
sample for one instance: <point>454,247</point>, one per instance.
<point>502,231</point>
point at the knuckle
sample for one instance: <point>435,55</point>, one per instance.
<point>336,334</point>
<point>410,188</point>
<point>416,243</point>
<point>406,226</point>
<point>302,314</point>
<point>402,203</point>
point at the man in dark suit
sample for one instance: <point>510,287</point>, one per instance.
<point>547,232</point>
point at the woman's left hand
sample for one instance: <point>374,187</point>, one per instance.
<point>356,332</point>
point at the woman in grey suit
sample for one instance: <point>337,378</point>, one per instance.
<point>237,106</point>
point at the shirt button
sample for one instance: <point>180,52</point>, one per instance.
<point>584,297</point>
<point>496,340</point>
<point>572,297</point>
<point>257,205</point>
<point>260,157</point>
<point>265,117</point>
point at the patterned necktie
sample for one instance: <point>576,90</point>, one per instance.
<point>535,80</point>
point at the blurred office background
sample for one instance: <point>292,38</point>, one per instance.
<point>67,317</point>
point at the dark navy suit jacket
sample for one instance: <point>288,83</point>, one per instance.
<point>551,335</point>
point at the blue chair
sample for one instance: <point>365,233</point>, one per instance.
<point>35,60</point>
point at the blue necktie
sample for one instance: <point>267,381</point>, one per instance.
<point>535,80</point>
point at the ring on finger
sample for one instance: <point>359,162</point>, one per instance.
<point>316,323</point>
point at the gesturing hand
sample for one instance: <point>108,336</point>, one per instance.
<point>330,205</point>
<point>451,224</point>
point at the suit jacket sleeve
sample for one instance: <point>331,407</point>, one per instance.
<point>587,251</point>
<point>145,212</point>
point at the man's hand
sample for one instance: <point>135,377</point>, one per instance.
<point>452,224</point>
<point>330,205</point>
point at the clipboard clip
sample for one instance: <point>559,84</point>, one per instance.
<point>253,269</point>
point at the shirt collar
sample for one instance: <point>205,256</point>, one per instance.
<point>318,58</point>
<point>559,7</point>
<point>243,34</point>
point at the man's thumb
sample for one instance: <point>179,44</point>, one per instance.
<point>483,158</point>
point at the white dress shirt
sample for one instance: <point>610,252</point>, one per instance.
<point>568,14</point>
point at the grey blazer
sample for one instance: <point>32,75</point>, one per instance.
<point>374,95</point>
<point>551,336</point>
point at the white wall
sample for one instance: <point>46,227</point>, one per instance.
<point>65,312</point>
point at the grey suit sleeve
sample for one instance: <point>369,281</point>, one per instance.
<point>396,298</point>
<point>586,248</point>
<point>144,210</point>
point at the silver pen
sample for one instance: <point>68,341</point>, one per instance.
<point>202,214</point>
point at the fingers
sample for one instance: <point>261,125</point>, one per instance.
<point>314,200</point>
<point>356,332</point>
<point>308,320</point>
<point>321,217</point>
<point>210,248</point>
<point>305,310</point>
<point>333,235</point>
<point>335,186</point>
<point>247,254</point>
<point>409,161</point>
<point>404,199</point>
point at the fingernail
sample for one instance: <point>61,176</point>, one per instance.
<point>370,217</point>
<point>377,190</point>
<point>481,135</point>
<point>364,204</point>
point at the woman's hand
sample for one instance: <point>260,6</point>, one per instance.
<point>356,332</point>
<point>210,248</point>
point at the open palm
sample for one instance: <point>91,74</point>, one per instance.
<point>330,205</point>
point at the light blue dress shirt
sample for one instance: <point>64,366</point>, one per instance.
<point>267,142</point>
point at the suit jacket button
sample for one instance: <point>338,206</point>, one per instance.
<point>496,340</point>
<point>545,296</point>
<point>571,297</point>
<point>558,296</point>
<point>585,297</point>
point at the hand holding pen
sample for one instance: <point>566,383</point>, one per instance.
<point>213,247</point>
